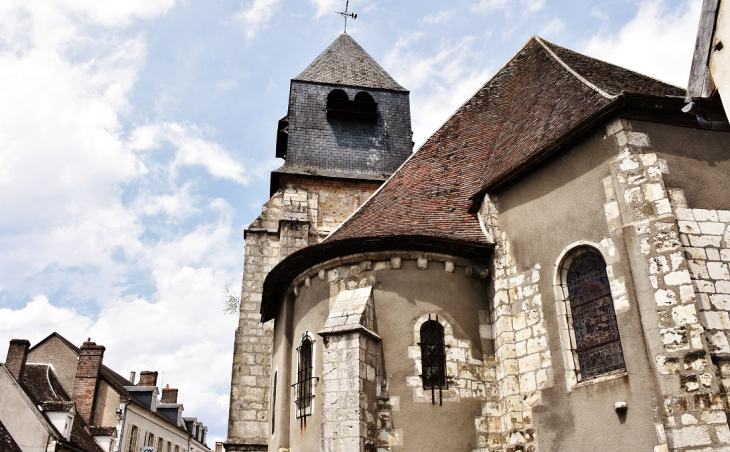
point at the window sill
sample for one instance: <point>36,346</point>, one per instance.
<point>601,378</point>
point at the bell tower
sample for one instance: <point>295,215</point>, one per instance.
<point>347,129</point>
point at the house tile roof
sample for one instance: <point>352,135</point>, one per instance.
<point>344,62</point>
<point>42,386</point>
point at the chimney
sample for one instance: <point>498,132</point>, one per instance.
<point>147,378</point>
<point>132,376</point>
<point>169,395</point>
<point>17,355</point>
<point>87,375</point>
<point>218,447</point>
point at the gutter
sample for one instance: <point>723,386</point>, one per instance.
<point>693,108</point>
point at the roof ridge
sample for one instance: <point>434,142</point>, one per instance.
<point>572,71</point>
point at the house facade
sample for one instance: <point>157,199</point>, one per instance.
<point>57,396</point>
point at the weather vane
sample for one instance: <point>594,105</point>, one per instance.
<point>347,14</point>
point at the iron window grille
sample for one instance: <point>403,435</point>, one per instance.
<point>304,387</point>
<point>597,341</point>
<point>433,358</point>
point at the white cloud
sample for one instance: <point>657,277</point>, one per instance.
<point>523,7</point>
<point>192,149</point>
<point>658,42</point>
<point>38,318</point>
<point>439,17</point>
<point>103,233</point>
<point>256,16</point>
<point>552,29</point>
<point>325,7</point>
<point>439,81</point>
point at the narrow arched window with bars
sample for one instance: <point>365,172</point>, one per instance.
<point>592,315</point>
<point>433,357</point>
<point>304,387</point>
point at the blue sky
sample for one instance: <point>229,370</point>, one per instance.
<point>136,139</point>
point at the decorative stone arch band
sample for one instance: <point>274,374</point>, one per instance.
<point>597,293</point>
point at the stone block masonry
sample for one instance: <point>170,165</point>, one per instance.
<point>668,250</point>
<point>522,363</point>
<point>303,212</point>
<point>351,279</point>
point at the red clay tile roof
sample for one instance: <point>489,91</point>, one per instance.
<point>543,97</point>
<point>543,94</point>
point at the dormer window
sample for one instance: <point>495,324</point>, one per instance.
<point>363,108</point>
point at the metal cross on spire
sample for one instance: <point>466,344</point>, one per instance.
<point>347,14</point>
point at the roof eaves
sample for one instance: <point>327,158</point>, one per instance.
<point>390,90</point>
<point>279,278</point>
<point>572,71</point>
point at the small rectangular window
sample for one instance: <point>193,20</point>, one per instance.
<point>133,439</point>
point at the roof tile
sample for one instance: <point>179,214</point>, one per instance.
<point>344,62</point>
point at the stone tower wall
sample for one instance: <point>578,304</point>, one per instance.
<point>302,213</point>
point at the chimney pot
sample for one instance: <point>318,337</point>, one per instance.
<point>17,356</point>
<point>147,378</point>
<point>169,395</point>
<point>132,376</point>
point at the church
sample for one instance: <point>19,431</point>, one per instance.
<point>549,271</point>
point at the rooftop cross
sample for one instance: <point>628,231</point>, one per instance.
<point>347,14</point>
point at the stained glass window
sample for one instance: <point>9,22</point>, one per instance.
<point>597,340</point>
<point>433,355</point>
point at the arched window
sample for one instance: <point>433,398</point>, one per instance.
<point>337,100</point>
<point>592,316</point>
<point>363,108</point>
<point>305,377</point>
<point>433,357</point>
<point>364,97</point>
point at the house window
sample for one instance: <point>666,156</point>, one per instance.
<point>169,447</point>
<point>133,439</point>
<point>433,357</point>
<point>160,443</point>
<point>150,440</point>
<point>591,314</point>
<point>304,387</point>
<point>177,448</point>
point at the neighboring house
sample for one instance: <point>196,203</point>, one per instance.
<point>709,82</point>
<point>63,394</point>
<point>549,271</point>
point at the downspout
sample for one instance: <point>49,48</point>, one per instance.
<point>124,420</point>
<point>693,109</point>
<point>723,126</point>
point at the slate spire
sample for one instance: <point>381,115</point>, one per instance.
<point>344,62</point>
